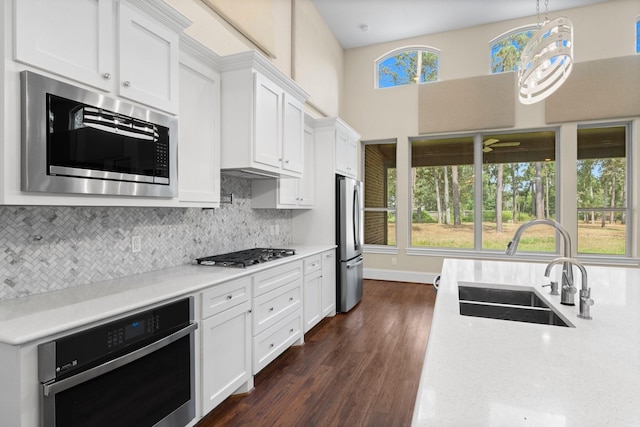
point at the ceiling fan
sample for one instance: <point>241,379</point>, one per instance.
<point>492,143</point>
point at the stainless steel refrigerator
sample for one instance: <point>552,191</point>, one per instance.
<point>349,238</point>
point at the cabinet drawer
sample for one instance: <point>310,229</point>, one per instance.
<point>275,340</point>
<point>269,308</point>
<point>312,264</point>
<point>225,296</point>
<point>275,277</point>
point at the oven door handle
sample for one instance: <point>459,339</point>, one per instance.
<point>58,386</point>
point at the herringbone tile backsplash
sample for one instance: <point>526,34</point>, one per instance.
<point>43,249</point>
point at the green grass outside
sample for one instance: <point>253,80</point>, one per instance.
<point>592,238</point>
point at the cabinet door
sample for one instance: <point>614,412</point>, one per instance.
<point>312,300</point>
<point>199,137</point>
<point>306,192</point>
<point>292,135</point>
<point>328,283</point>
<point>148,53</point>
<point>226,354</point>
<point>268,120</point>
<point>342,139</point>
<point>288,191</point>
<point>72,38</point>
<point>351,161</point>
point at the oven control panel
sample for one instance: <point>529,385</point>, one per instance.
<point>84,349</point>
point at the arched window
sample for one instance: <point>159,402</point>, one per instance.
<point>507,47</point>
<point>407,65</point>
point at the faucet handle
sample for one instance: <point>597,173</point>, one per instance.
<point>554,287</point>
<point>585,296</point>
<point>570,289</point>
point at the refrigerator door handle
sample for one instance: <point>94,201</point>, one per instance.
<point>356,217</point>
<point>357,263</point>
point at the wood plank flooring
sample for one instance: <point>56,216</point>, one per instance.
<point>361,368</point>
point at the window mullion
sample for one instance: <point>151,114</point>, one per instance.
<point>477,192</point>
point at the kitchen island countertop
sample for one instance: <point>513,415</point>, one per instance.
<point>27,319</point>
<point>489,372</point>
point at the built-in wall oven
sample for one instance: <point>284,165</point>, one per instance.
<point>134,371</point>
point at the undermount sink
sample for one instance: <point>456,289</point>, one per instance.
<point>507,304</point>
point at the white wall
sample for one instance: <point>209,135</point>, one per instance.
<point>306,50</point>
<point>601,31</point>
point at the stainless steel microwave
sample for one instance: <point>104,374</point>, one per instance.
<point>82,142</point>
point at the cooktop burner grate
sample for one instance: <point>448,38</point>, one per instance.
<point>245,258</point>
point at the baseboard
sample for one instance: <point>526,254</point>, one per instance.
<point>399,276</point>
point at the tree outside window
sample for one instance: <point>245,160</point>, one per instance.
<point>507,48</point>
<point>407,66</point>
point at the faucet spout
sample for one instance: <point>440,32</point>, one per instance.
<point>566,297</point>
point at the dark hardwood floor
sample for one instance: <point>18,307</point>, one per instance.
<point>356,369</point>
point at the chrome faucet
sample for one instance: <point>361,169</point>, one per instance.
<point>567,289</point>
<point>585,293</point>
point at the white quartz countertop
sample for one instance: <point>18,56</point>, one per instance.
<point>490,372</point>
<point>28,319</point>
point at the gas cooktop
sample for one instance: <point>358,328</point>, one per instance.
<point>245,258</point>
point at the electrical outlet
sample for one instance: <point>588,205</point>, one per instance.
<point>136,244</point>
<point>394,261</point>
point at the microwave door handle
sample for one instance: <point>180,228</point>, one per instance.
<point>58,386</point>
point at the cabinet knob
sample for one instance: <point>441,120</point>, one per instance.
<point>126,83</point>
<point>271,345</point>
<point>229,296</point>
<point>271,309</point>
<point>290,298</point>
<point>250,311</point>
<point>291,330</point>
<point>107,76</point>
<point>286,161</point>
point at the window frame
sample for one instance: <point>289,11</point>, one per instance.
<point>478,200</point>
<point>629,153</point>
<point>372,248</point>
<point>394,52</point>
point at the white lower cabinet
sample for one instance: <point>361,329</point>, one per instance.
<point>312,292</point>
<point>277,313</point>
<point>328,283</point>
<point>319,288</point>
<point>226,341</point>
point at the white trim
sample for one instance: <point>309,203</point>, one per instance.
<point>400,276</point>
<point>380,249</point>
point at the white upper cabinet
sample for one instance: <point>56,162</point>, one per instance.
<point>199,130</point>
<point>262,118</point>
<point>285,192</point>
<point>129,48</point>
<point>332,131</point>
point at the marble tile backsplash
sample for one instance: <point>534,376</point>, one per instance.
<point>49,248</point>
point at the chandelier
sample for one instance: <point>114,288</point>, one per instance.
<point>547,58</point>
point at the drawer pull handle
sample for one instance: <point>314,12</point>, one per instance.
<point>271,309</point>
<point>229,296</point>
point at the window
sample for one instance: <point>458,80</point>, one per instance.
<point>518,176</point>
<point>380,193</point>
<point>638,35</point>
<point>507,47</point>
<point>442,193</point>
<point>518,179</point>
<point>418,64</point>
<point>602,190</point>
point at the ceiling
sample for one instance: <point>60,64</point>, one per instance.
<point>357,23</point>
